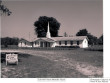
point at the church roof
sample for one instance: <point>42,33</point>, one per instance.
<point>22,39</point>
<point>45,39</point>
<point>69,38</point>
<point>53,39</point>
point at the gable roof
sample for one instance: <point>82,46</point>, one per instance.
<point>70,38</point>
<point>53,39</point>
<point>45,39</point>
<point>23,40</point>
<point>27,40</point>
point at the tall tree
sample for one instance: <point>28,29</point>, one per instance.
<point>9,41</point>
<point>92,40</point>
<point>82,32</point>
<point>41,26</point>
<point>4,10</point>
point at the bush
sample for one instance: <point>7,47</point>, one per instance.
<point>67,47</point>
<point>3,56</point>
<point>95,48</point>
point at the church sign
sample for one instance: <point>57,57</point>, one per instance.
<point>11,58</point>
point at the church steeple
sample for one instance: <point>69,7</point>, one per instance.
<point>48,32</point>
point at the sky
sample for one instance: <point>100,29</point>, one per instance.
<point>73,15</point>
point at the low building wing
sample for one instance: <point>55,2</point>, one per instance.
<point>81,41</point>
<point>24,43</point>
<point>69,38</point>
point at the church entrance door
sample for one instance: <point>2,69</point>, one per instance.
<point>41,44</point>
<point>47,44</point>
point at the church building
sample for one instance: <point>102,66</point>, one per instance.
<point>48,41</point>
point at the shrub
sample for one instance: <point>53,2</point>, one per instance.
<point>95,48</point>
<point>66,46</point>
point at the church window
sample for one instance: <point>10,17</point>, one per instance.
<point>65,42</point>
<point>71,42</point>
<point>59,42</point>
<point>77,42</point>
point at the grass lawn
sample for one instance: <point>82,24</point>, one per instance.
<point>55,64</point>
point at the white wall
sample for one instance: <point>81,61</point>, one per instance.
<point>85,43</point>
<point>69,44</point>
<point>37,44</point>
<point>28,44</point>
<point>53,44</point>
<point>63,43</point>
<point>82,44</point>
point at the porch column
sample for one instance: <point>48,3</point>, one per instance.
<point>39,44</point>
<point>43,44</point>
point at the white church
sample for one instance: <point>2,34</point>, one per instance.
<point>48,41</point>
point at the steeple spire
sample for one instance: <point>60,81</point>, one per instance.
<point>48,32</point>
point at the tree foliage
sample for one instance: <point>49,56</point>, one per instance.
<point>92,40</point>
<point>100,40</point>
<point>9,41</point>
<point>82,32</point>
<point>4,9</point>
<point>41,26</point>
